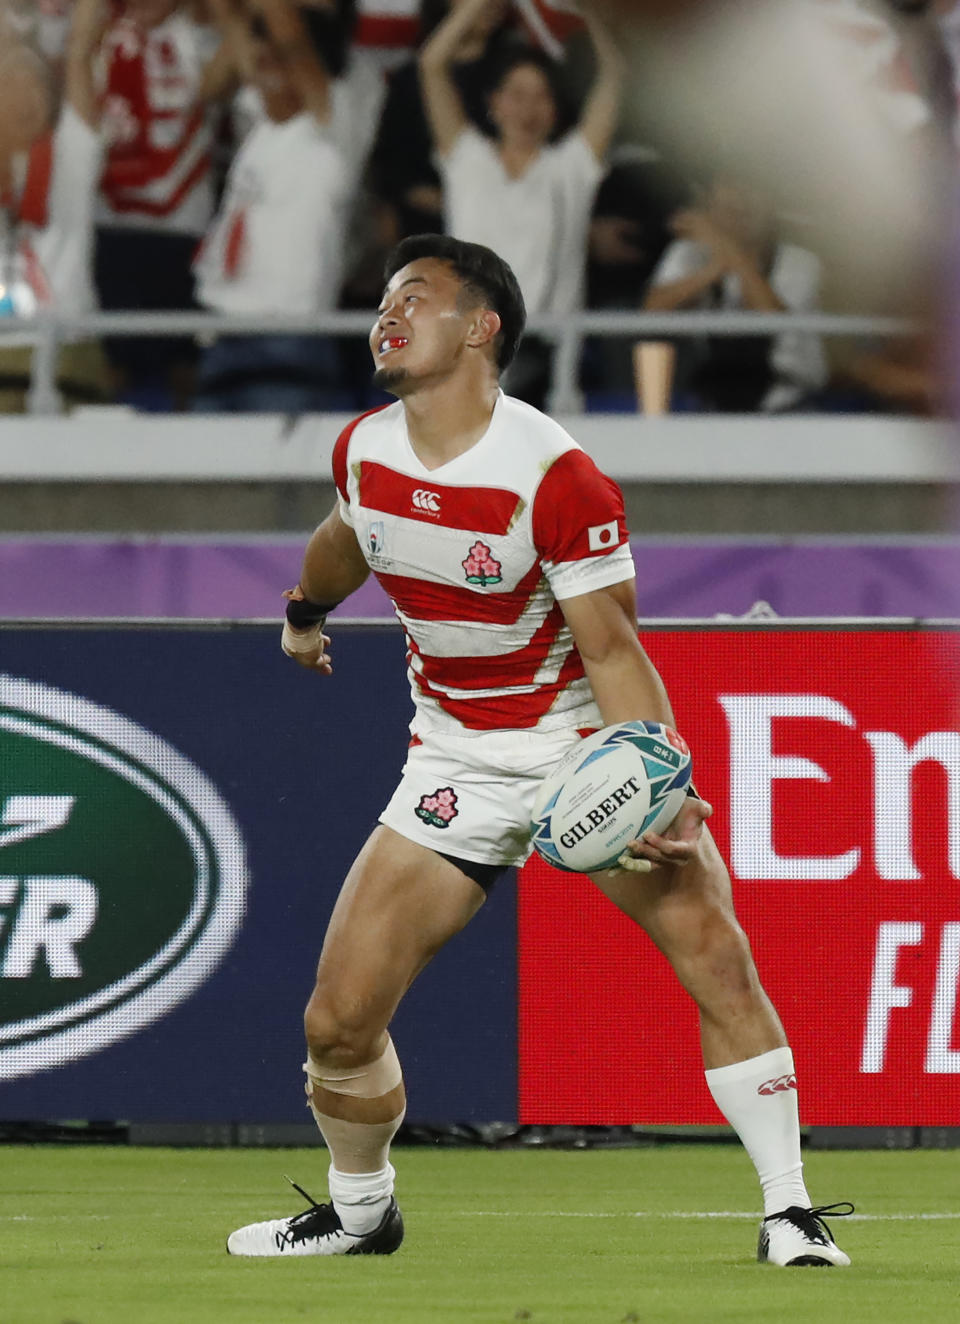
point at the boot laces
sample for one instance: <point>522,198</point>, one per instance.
<point>811,1221</point>
<point>320,1220</point>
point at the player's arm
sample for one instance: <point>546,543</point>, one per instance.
<point>333,568</point>
<point>445,110</point>
<point>625,683</point>
<point>601,112</point>
<point>627,687</point>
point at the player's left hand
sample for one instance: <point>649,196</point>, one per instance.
<point>678,845</point>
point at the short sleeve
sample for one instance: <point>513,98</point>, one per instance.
<point>796,278</point>
<point>682,258</point>
<point>339,466</point>
<point>340,462</point>
<point>579,527</point>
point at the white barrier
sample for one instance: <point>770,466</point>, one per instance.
<point>116,444</point>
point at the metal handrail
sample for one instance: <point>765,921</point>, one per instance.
<point>45,332</point>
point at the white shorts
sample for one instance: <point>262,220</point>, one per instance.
<point>471,796</point>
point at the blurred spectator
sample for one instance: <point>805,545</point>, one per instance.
<point>405,175</point>
<point>161,71</point>
<point>49,165</point>
<point>899,376</point>
<point>521,193</point>
<point>276,244</point>
<point>728,255</point>
<point>899,53</point>
<point>628,235</point>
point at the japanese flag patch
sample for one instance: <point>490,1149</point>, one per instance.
<point>600,537</point>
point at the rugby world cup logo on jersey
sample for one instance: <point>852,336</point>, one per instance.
<point>122,877</point>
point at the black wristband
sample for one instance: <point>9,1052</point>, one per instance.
<point>304,615</point>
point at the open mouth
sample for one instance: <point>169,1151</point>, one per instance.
<point>390,343</point>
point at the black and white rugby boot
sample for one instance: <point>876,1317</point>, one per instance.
<point>796,1237</point>
<point>317,1231</point>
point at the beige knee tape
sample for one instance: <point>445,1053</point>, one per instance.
<point>369,1082</point>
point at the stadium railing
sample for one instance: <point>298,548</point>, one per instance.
<point>46,332</point>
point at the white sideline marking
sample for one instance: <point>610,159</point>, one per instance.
<point>52,1218</point>
<point>695,1213</point>
<point>546,1213</point>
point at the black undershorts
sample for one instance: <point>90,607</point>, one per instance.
<point>484,875</point>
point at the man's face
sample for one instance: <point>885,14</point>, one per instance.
<point>422,326</point>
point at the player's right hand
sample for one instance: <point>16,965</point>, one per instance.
<point>308,648</point>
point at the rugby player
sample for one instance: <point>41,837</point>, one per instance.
<point>505,552</point>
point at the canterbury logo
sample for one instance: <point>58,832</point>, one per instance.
<point>778,1085</point>
<point>424,500</point>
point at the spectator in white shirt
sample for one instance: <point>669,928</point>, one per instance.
<point>521,193</point>
<point>727,255</point>
<point>276,244</point>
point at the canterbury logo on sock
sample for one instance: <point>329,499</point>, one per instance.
<point>778,1084</point>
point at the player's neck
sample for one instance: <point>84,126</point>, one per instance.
<point>443,423</point>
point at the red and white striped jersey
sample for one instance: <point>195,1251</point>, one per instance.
<point>477,555</point>
<point>157,173</point>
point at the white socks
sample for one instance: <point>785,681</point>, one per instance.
<point>759,1100</point>
<point>361,1198</point>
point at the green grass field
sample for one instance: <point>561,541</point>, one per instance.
<point>135,1236</point>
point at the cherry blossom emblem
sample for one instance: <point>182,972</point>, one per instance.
<point>438,809</point>
<point>480,565</point>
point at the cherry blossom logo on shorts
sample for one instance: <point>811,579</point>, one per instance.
<point>438,809</point>
<point>480,565</point>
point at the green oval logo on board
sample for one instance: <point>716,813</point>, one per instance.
<point>122,877</point>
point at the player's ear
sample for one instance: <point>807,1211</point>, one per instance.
<point>485,328</point>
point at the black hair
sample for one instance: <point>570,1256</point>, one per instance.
<point>432,14</point>
<point>330,33</point>
<point>482,272</point>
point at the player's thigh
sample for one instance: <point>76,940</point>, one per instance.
<point>686,911</point>
<point>400,903</point>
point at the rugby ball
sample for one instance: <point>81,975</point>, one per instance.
<point>613,786</point>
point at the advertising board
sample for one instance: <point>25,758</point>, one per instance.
<point>178,806</point>
<point>832,758</point>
